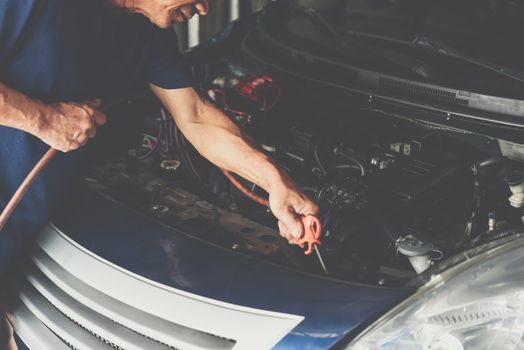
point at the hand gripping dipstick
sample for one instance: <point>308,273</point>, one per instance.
<point>311,224</point>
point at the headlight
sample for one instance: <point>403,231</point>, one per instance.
<point>478,304</point>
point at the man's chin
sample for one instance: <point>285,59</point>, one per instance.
<point>162,24</point>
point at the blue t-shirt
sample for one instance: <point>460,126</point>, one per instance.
<point>62,51</point>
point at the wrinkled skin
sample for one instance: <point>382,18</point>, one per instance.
<point>165,13</point>
<point>68,126</point>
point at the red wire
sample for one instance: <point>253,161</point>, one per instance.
<point>262,201</point>
<point>275,100</point>
<point>226,104</point>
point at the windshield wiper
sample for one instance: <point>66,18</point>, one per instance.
<point>418,67</point>
<point>441,49</point>
<point>438,48</point>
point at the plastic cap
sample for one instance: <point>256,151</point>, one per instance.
<point>514,178</point>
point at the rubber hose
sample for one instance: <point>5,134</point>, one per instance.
<point>24,187</point>
<point>262,201</point>
<point>490,236</point>
<point>351,158</point>
<point>488,163</point>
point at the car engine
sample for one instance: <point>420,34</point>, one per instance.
<point>396,194</point>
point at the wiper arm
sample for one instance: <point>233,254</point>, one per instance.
<point>444,50</point>
<point>418,67</point>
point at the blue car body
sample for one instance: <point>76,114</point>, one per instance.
<point>332,309</point>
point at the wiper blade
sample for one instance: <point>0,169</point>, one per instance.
<point>444,50</point>
<point>439,48</point>
<point>418,67</point>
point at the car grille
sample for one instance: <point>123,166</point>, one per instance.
<point>71,299</point>
<point>80,327</point>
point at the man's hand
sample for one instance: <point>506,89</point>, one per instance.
<point>63,126</point>
<point>289,204</point>
<point>68,126</point>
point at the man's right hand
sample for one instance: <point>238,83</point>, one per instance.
<point>68,126</point>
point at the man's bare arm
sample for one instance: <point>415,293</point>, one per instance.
<point>63,126</point>
<point>220,140</point>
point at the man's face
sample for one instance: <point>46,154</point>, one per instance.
<point>164,13</point>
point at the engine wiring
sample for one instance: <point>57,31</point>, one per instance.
<point>399,174</point>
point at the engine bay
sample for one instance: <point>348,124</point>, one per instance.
<point>396,194</point>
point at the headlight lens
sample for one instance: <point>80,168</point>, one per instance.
<point>476,305</point>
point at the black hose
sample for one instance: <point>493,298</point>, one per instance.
<point>339,151</point>
<point>477,193</point>
<point>490,162</point>
<point>491,236</point>
<point>319,162</point>
<point>174,136</point>
<point>347,167</point>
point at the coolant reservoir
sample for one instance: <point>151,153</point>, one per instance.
<point>515,181</point>
<point>417,251</point>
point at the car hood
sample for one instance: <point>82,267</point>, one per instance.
<point>483,30</point>
<point>366,48</point>
<point>332,309</point>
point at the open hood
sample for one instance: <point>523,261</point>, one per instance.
<point>456,56</point>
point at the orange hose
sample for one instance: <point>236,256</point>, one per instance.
<point>244,190</point>
<point>24,187</point>
<point>312,228</point>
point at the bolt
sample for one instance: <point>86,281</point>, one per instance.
<point>235,247</point>
<point>492,222</point>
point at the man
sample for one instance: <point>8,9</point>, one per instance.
<point>59,57</point>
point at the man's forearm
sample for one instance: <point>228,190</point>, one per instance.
<point>19,111</point>
<point>220,140</point>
